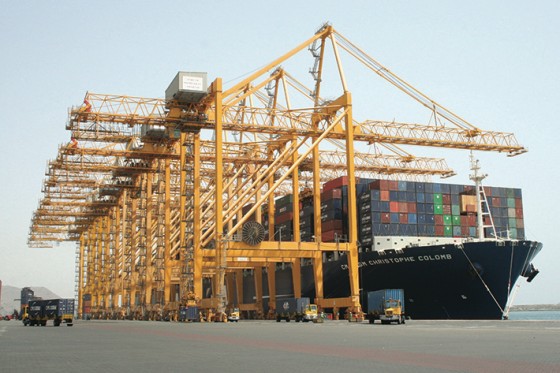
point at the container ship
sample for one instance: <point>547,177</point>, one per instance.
<point>456,250</point>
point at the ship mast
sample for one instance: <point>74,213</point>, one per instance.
<point>480,199</point>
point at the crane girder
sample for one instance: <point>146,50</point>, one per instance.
<point>299,122</point>
<point>440,136</point>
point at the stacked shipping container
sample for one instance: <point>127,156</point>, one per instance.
<point>401,208</point>
<point>405,208</point>
<point>334,210</point>
<point>283,219</point>
<point>86,306</point>
<point>306,220</point>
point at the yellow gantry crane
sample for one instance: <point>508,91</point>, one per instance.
<point>165,196</point>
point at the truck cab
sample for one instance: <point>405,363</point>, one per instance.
<point>233,315</point>
<point>393,312</point>
<point>25,315</point>
<point>310,313</point>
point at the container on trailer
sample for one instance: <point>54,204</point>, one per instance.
<point>376,299</point>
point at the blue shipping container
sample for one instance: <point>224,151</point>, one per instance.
<point>376,299</point>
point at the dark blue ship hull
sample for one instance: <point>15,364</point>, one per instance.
<point>468,281</point>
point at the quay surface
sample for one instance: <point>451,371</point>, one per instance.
<point>268,346</point>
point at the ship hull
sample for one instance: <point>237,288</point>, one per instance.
<point>472,281</point>
<point>441,281</point>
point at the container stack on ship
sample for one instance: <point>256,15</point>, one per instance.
<point>408,208</point>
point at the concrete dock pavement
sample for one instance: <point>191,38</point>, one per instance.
<point>268,346</point>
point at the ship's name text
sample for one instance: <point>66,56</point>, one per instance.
<point>404,259</point>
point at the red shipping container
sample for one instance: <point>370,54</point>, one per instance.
<point>465,231</point>
<point>518,203</point>
<point>393,185</point>
<point>520,223</point>
<point>412,207</point>
<point>465,222</point>
<point>331,194</point>
<point>403,207</point>
<point>438,219</point>
<point>471,219</point>
<point>394,206</point>
<point>496,201</point>
<point>375,185</point>
<point>439,230</point>
<point>384,195</point>
<point>446,198</point>
<point>384,184</point>
<point>488,191</point>
<point>282,218</point>
<point>337,183</point>
<point>446,210</point>
<point>331,225</point>
<point>519,213</point>
<point>403,218</point>
<point>329,236</point>
<point>385,217</point>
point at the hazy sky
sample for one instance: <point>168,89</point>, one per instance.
<point>495,63</point>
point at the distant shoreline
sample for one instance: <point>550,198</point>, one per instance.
<point>536,307</point>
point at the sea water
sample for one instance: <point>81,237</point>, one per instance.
<point>534,315</point>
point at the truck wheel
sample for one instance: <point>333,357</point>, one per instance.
<point>278,319</point>
<point>69,324</point>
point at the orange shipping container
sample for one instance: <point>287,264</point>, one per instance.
<point>468,204</point>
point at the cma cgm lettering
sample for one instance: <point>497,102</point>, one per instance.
<point>405,259</point>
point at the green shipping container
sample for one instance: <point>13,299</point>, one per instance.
<point>512,223</point>
<point>448,231</point>
<point>511,202</point>
<point>447,220</point>
<point>438,209</point>
<point>438,199</point>
<point>456,219</point>
<point>513,233</point>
